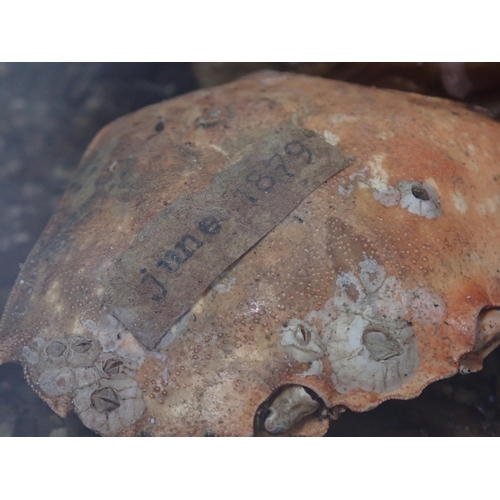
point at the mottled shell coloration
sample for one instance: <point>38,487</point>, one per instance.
<point>382,280</point>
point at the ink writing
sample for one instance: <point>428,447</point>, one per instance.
<point>265,180</point>
<point>189,243</point>
<point>183,250</point>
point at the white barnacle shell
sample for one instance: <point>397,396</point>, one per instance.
<point>51,353</point>
<point>301,339</point>
<point>373,355</point>
<point>83,350</point>
<point>58,381</point>
<point>372,275</point>
<point>111,365</point>
<point>388,301</point>
<point>110,405</point>
<point>420,199</point>
<point>30,355</point>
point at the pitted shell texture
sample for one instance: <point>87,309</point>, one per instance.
<point>380,281</point>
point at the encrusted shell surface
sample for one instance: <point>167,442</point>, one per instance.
<point>382,280</point>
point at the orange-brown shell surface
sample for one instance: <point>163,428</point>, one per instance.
<point>377,282</point>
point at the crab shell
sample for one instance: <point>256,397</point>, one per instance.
<point>382,280</point>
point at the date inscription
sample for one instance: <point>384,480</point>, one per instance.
<point>190,243</point>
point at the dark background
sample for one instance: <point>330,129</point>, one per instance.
<point>49,112</point>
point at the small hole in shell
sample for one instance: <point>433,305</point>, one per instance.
<point>112,366</point>
<point>302,334</point>
<point>381,346</point>
<point>420,192</point>
<point>82,345</point>
<point>105,400</point>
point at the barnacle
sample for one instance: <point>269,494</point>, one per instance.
<point>254,258</point>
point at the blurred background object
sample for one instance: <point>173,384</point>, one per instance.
<point>476,83</point>
<point>49,113</point>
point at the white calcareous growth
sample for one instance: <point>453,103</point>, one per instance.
<point>420,199</point>
<point>110,405</point>
<point>366,330</point>
<point>302,340</point>
<point>369,343</point>
<point>389,196</point>
<point>102,385</point>
<point>376,356</point>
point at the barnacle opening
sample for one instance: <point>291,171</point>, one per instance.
<point>302,334</point>
<point>420,192</point>
<point>381,345</point>
<point>301,340</point>
<point>105,399</point>
<point>82,345</point>
<point>112,366</point>
<point>420,199</point>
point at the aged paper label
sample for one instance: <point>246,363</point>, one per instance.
<point>187,245</point>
